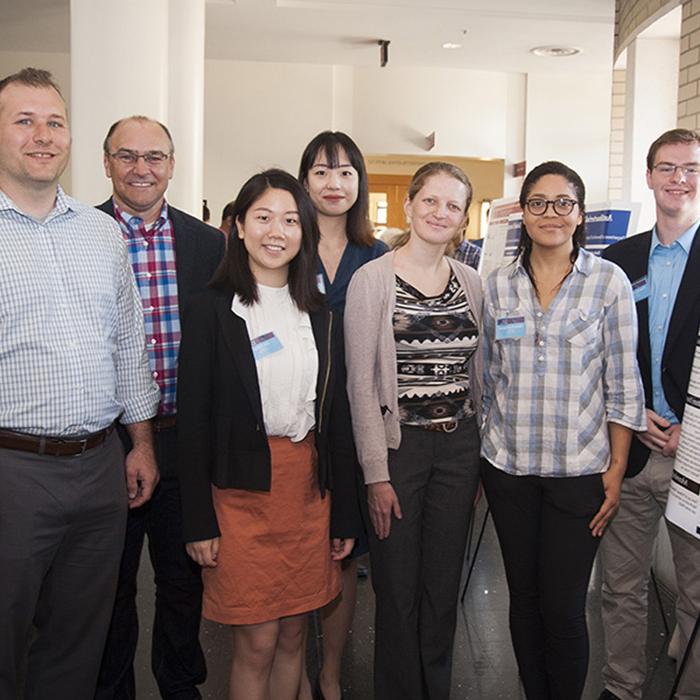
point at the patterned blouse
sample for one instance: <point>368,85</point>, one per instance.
<point>435,337</point>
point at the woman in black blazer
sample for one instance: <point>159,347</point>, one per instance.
<point>263,432</point>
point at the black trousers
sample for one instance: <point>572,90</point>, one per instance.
<point>61,532</point>
<point>417,569</point>
<point>548,553</point>
<point>177,660</point>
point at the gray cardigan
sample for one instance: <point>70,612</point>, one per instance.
<point>371,360</point>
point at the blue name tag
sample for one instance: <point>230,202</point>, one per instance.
<point>510,326</point>
<point>265,344</point>
<point>321,284</point>
<point>640,289</point>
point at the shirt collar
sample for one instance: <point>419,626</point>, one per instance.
<point>131,223</point>
<point>685,240</point>
<point>61,204</point>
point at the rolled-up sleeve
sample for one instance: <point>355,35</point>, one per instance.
<point>622,382</point>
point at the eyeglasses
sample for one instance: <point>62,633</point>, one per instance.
<point>132,157</point>
<point>562,206</point>
<point>669,170</point>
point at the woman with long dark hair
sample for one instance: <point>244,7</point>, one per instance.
<point>413,351</point>
<point>562,395</point>
<point>332,170</point>
<point>257,387</point>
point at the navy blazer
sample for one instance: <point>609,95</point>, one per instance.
<point>199,249</point>
<point>221,434</point>
<point>632,255</point>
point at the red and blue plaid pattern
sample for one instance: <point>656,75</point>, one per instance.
<point>152,256</point>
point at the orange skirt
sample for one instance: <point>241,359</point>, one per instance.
<point>274,553</point>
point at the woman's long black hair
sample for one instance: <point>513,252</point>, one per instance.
<point>234,273</point>
<point>359,227</point>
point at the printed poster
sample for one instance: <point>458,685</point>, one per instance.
<point>683,506</point>
<point>606,223</point>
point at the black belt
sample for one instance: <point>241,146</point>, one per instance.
<point>448,427</point>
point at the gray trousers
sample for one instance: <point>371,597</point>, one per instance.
<point>62,525</point>
<point>416,570</point>
<point>626,552</point>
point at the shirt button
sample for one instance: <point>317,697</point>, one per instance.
<point>541,343</point>
<point>155,375</point>
<point>145,244</point>
<point>668,264</point>
<point>541,358</point>
<point>153,341</point>
<point>148,275</point>
<point>539,314</point>
<point>664,296</point>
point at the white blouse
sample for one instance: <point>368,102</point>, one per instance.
<point>286,360</point>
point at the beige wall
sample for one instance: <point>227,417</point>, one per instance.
<point>617,136</point>
<point>689,67</point>
<point>635,15</point>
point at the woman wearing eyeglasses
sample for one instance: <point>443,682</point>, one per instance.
<point>562,396</point>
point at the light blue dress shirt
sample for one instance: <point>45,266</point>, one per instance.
<point>72,352</point>
<point>666,268</point>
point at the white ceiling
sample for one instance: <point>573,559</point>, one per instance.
<point>496,34</point>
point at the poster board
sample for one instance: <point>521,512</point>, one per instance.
<point>606,223</point>
<point>683,506</point>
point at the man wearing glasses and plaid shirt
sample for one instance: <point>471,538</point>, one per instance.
<point>173,256</point>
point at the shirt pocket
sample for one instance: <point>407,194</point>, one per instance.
<point>583,328</point>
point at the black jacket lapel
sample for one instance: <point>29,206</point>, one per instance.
<point>235,333</point>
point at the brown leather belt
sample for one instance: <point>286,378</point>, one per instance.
<point>51,446</point>
<point>164,422</point>
<point>448,427</point>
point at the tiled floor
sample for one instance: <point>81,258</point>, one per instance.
<point>484,666</point>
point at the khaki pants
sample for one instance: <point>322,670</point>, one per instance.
<point>626,552</point>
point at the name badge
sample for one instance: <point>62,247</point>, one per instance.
<point>264,345</point>
<point>320,283</point>
<point>640,289</point>
<point>510,326</point>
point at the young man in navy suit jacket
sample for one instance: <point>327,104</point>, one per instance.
<point>663,266</point>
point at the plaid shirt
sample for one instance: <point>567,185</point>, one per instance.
<point>152,255</point>
<point>72,356</point>
<point>549,395</point>
<point>469,254</point>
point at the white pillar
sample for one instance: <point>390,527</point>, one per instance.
<point>134,57</point>
<point>186,102</point>
<point>651,103</point>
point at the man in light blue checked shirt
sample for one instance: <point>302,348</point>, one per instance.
<point>72,362</point>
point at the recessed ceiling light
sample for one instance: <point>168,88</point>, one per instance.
<point>451,45</point>
<point>555,51</point>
